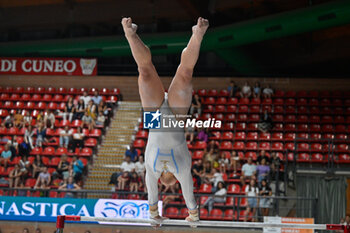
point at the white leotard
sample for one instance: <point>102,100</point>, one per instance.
<point>167,151</point>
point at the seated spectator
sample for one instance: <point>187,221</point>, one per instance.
<point>206,172</point>
<point>38,166</point>
<point>215,177</point>
<point>257,90</point>
<point>25,168</point>
<point>267,92</point>
<point>219,196</point>
<point>134,182</point>
<point>28,136</point>
<point>49,119</point>
<point>252,191</point>
<point>6,155</point>
<point>96,98</point>
<point>234,160</point>
<point>132,153</point>
<point>85,98</point>
<point>262,156</point>
<point>223,162</point>
<point>198,171</point>
<point>77,169</point>
<point>196,106</point>
<point>246,91</point>
<point>78,139</point>
<point>27,119</point>
<point>88,121</point>
<point>233,89</point>
<point>79,110</point>
<point>65,136</point>
<point>44,179</point>
<point>69,185</point>
<point>263,171</point>
<point>212,157</point>
<point>13,145</point>
<point>123,180</point>
<point>248,171</point>
<point>265,124</point>
<point>102,107</point>
<point>15,177</point>
<point>8,121</point>
<point>140,169</point>
<point>175,189</point>
<point>69,110</point>
<point>40,135</point>
<point>92,110</point>
<point>40,116</point>
<point>190,133</point>
<point>100,121</point>
<point>275,166</point>
<point>18,119</point>
<point>63,168</point>
<point>127,166</point>
<point>266,192</point>
<point>203,135</point>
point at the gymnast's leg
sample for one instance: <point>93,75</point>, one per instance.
<point>180,90</point>
<point>150,87</point>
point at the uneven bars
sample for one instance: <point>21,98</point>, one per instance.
<point>62,218</point>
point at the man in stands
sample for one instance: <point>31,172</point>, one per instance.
<point>85,98</point>
<point>248,171</point>
<point>6,155</point>
<point>96,98</point>
<point>77,169</point>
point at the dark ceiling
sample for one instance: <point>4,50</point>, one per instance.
<point>318,53</point>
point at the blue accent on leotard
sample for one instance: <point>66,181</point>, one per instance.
<point>163,154</point>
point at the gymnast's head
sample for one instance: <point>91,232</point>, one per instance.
<point>167,178</point>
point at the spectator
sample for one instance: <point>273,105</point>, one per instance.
<point>18,119</point>
<point>127,166</point>
<point>69,185</point>
<point>219,196</point>
<point>265,123</point>
<point>49,119</point>
<point>342,222</point>
<point>38,165</point>
<point>6,155</point>
<point>211,156</point>
<point>80,110</point>
<point>40,116</point>
<point>96,98</point>
<point>233,89</point>
<point>63,168</point>
<point>266,192</point>
<point>140,168</point>
<point>262,156</point>
<point>25,168</point>
<point>27,119</point>
<point>123,180</point>
<point>78,139</point>
<point>13,145</point>
<point>267,92</point>
<point>252,192</point>
<point>69,110</point>
<point>91,109</point>
<point>88,121</point>
<point>198,171</point>
<point>135,182</point>
<point>223,162</point>
<point>248,171</point>
<point>206,172</point>
<point>132,153</point>
<point>246,91</point>
<point>40,135</point>
<point>215,177</point>
<point>25,230</point>
<point>263,170</point>
<point>190,132</point>
<point>85,98</point>
<point>100,121</point>
<point>171,198</point>
<point>347,220</point>
<point>196,106</point>
<point>44,179</point>
<point>8,121</point>
<point>28,136</point>
<point>15,177</point>
<point>203,135</point>
<point>275,165</point>
<point>77,169</point>
<point>102,107</point>
<point>234,160</point>
<point>257,90</point>
<point>65,135</point>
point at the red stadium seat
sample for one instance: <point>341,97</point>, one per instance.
<point>252,136</point>
<point>224,93</point>
<point>289,146</point>
<point>229,126</point>
<point>220,108</point>
<point>255,101</point>
<point>14,97</point>
<point>198,154</point>
<point>212,92</point>
<point>50,151</point>
<point>231,109</point>
<point>239,136</point>
<point>317,158</point>
<point>267,102</point>
<point>54,161</point>
<point>243,101</point>
<point>229,215</point>
<point>277,146</point>
<point>301,101</point>
<point>302,147</point>
<point>255,109</point>
<point>302,110</point>
<point>205,188</point>
<point>86,152</point>
<point>290,94</point>
<point>242,117</point>
<point>209,100</point>
<point>289,101</point>
<point>264,136</point>
<point>30,182</point>
<point>233,189</point>
<point>95,133</point>
<point>139,143</point>
<point>290,119</point>
<point>172,212</point>
<point>227,136</point>
<point>302,119</point>
<point>278,118</point>
<point>221,100</point>
<point>234,101</point>
<point>264,146</point>
<point>252,127</point>
<point>19,90</point>
<point>209,108</point>
<point>316,147</point>
<point>251,146</point>
<point>226,145</point>
<point>303,157</point>
<point>243,109</point>
<point>61,151</point>
<point>200,145</point>
<point>343,158</point>
<point>342,148</point>
<point>36,151</point>
<point>241,126</point>
<point>202,92</point>
<point>203,214</point>
<point>230,117</point>
<point>277,137</point>
<point>215,214</point>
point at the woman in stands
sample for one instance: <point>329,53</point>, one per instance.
<point>80,109</point>
<point>219,196</point>
<point>177,101</point>
<point>69,110</point>
<point>38,166</point>
<point>266,192</point>
<point>252,191</point>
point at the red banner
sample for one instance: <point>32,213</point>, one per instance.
<point>48,66</point>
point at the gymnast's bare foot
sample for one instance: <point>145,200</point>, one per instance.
<point>129,27</point>
<point>201,27</point>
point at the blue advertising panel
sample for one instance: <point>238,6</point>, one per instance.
<point>43,209</point>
